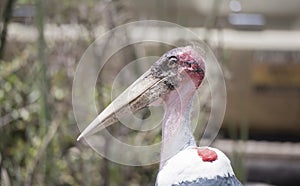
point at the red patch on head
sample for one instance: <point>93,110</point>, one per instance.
<point>192,71</point>
<point>207,154</point>
<point>186,56</point>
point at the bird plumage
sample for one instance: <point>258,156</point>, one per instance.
<point>188,168</point>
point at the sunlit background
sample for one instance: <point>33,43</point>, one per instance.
<point>256,42</point>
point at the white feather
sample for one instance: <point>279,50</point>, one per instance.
<point>187,165</point>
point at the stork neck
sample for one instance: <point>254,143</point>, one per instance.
<point>176,130</point>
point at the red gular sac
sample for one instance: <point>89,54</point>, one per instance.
<point>207,154</point>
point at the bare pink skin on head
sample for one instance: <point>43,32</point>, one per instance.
<point>174,64</point>
<point>192,69</point>
<point>194,66</point>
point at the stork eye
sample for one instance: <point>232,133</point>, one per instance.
<point>172,61</point>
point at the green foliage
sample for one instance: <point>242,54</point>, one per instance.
<point>53,157</point>
<point>20,138</point>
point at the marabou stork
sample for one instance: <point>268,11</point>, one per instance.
<point>173,79</point>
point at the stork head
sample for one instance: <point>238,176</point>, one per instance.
<point>180,64</point>
<point>175,69</point>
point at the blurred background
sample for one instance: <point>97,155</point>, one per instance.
<point>41,42</point>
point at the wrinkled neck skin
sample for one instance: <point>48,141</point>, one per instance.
<point>176,129</point>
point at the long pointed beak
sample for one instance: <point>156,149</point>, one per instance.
<point>140,94</point>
